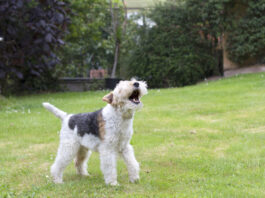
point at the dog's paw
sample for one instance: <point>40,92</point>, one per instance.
<point>58,181</point>
<point>85,174</point>
<point>114,183</point>
<point>135,179</point>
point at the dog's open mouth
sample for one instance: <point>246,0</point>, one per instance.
<point>135,97</point>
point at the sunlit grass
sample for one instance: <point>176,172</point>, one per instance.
<point>206,140</point>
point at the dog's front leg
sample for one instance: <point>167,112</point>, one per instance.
<point>132,164</point>
<point>108,165</point>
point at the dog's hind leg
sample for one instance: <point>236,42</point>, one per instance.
<point>131,163</point>
<point>81,160</point>
<point>66,153</point>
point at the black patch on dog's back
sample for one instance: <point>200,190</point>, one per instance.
<point>86,123</point>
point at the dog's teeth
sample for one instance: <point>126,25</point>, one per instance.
<point>135,100</point>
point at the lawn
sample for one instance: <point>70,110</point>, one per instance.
<point>206,140</point>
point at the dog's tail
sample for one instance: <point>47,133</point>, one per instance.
<point>57,112</point>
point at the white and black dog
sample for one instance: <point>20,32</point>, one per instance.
<point>107,131</point>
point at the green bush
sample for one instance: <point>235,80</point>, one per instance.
<point>246,35</point>
<point>177,50</point>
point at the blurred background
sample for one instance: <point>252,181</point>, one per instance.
<point>79,45</point>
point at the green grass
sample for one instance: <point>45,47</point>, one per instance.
<point>224,158</point>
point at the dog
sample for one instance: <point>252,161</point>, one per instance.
<point>107,131</point>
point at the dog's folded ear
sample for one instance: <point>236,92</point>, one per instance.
<point>108,98</point>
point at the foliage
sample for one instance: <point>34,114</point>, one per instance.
<point>246,35</point>
<point>32,32</point>
<point>88,44</point>
<point>181,48</point>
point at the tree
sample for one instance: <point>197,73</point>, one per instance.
<point>118,31</point>
<point>88,44</point>
<point>94,39</point>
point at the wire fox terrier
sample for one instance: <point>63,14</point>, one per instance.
<point>107,131</point>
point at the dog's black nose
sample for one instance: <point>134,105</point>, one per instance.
<point>136,84</point>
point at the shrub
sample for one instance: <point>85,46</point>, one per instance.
<point>246,35</point>
<point>182,48</point>
<point>178,50</point>
<point>32,31</point>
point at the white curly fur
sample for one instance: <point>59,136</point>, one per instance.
<point>118,117</point>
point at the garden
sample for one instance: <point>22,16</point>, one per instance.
<point>194,137</point>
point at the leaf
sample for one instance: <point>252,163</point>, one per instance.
<point>38,41</point>
<point>59,17</point>
<point>2,74</point>
<point>19,3</point>
<point>61,3</point>
<point>42,23</point>
<point>48,38</point>
<point>35,73</point>
<point>46,48</point>
<point>19,75</point>
<point>61,41</point>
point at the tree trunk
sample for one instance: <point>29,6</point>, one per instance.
<point>116,57</point>
<point>115,25</point>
